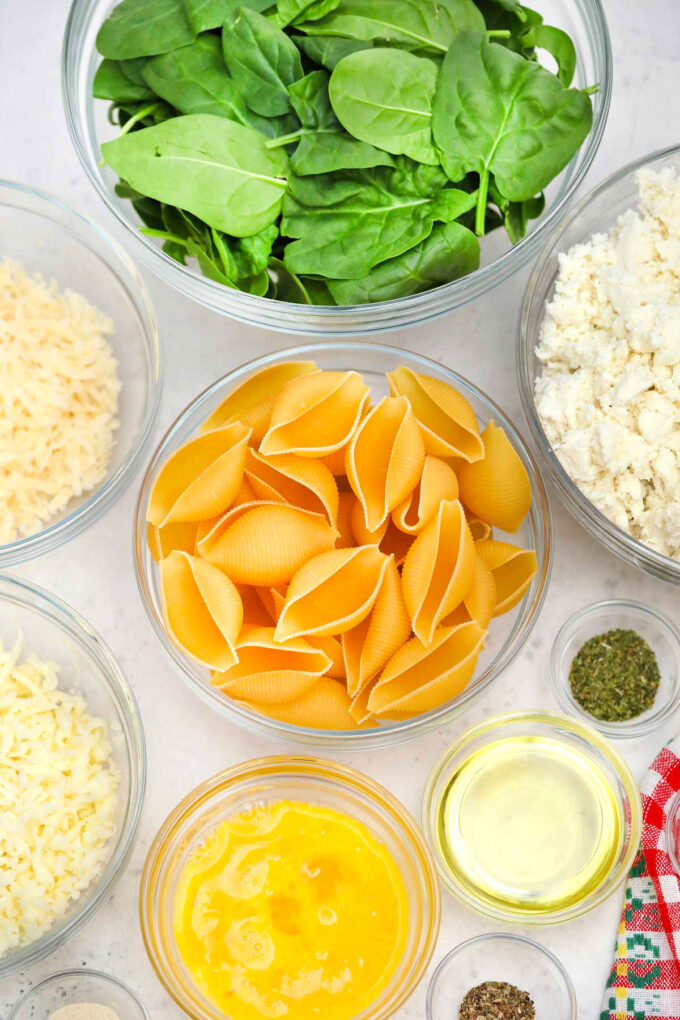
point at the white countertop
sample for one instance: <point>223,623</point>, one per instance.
<point>186,741</point>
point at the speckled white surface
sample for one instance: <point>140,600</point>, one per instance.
<point>186,742</point>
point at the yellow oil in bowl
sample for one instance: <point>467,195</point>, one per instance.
<point>529,823</point>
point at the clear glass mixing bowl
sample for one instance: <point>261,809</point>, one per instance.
<point>87,120</point>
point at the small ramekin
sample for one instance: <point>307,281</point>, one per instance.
<point>75,986</point>
<point>661,635</point>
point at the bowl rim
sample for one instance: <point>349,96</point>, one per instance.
<point>310,769</point>
<point>247,306</point>
<point>76,972</point>
<point>67,527</point>
<point>389,732</point>
<point>38,600</point>
<point>627,729</point>
<point>478,941</point>
<point>576,502</point>
<point>594,739</point>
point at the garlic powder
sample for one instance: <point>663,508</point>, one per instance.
<point>609,392</point>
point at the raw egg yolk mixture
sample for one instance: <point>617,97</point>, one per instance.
<point>291,909</point>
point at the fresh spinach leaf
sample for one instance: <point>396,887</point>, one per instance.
<point>149,211</point>
<point>449,252</point>
<point>263,61</point>
<point>516,215</point>
<point>143,28</point>
<point>424,25</point>
<point>214,168</point>
<point>346,223</point>
<point>329,50</point>
<point>110,82</point>
<point>204,15</point>
<point>559,45</point>
<point>495,112</point>
<point>384,97</point>
<point>291,12</point>
<point>512,6</point>
<point>285,285</point>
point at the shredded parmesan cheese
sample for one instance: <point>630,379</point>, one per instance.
<point>58,798</point>
<point>58,400</point>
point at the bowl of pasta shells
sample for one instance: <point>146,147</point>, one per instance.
<point>342,543</point>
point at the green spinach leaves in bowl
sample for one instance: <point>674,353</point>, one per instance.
<point>336,151</point>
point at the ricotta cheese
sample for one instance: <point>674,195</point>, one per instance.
<point>608,395</point>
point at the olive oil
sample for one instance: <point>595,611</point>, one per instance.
<point>529,822</point>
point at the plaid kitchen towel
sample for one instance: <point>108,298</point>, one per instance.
<point>645,977</point>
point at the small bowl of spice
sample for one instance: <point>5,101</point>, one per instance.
<point>616,665</point>
<point>79,995</point>
<point>500,977</point>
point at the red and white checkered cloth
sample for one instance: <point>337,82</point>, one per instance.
<point>645,977</point>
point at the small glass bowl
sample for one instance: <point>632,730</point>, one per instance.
<point>574,734</point>
<point>51,239</point>
<point>87,120</point>
<point>54,631</point>
<point>274,779</point>
<point>659,633</point>
<point>499,957</point>
<point>507,634</point>
<point>596,213</point>
<point>74,986</point>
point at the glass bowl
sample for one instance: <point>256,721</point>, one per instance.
<point>499,957</point>
<point>54,631</point>
<point>575,736</point>
<point>506,636</point>
<point>659,633</point>
<point>595,213</point>
<point>75,986</point>
<point>273,779</point>
<point>88,125</point>
<point>51,239</point>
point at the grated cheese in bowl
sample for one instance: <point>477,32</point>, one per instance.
<point>59,393</point>
<point>58,798</point>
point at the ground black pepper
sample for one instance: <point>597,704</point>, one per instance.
<point>615,676</point>
<point>496,1000</point>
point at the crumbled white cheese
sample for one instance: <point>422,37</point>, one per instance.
<point>609,392</point>
<point>58,798</point>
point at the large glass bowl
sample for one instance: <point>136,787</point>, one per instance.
<point>88,124</point>
<point>51,239</point>
<point>595,213</point>
<point>507,634</point>
<point>287,778</point>
<point>54,631</point>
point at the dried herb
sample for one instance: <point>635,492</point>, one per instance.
<point>496,1000</point>
<point>615,676</point>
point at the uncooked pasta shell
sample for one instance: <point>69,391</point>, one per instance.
<point>437,483</point>
<point>298,481</point>
<point>421,677</point>
<point>360,533</point>
<point>497,488</point>
<point>324,707</point>
<point>271,671</point>
<point>251,401</point>
<point>346,503</point>
<point>202,609</point>
<point>332,592</point>
<point>316,414</point>
<point>180,535</point>
<point>513,570</point>
<point>201,478</point>
<point>385,459</point>
<point>438,570</point>
<point>332,647</point>
<point>446,418</point>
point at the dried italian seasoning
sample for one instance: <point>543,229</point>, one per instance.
<point>496,1000</point>
<point>615,676</point>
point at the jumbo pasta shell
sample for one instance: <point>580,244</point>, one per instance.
<point>421,677</point>
<point>251,402</point>
<point>497,488</point>
<point>437,483</point>
<point>255,613</point>
<point>346,503</point>
<point>269,670</point>
<point>360,533</point>
<point>324,707</point>
<point>368,646</point>
<point>359,707</point>
<point>513,570</point>
<point>332,647</point>
<point>480,602</point>
<point>299,481</point>
<point>201,478</point>
<point>445,416</point>
<point>316,414</point>
<point>272,599</point>
<point>385,459</point>
<point>332,592</point>
<point>479,529</point>
<point>265,544</point>
<point>180,535</point>
<point>202,609</point>
<point>396,543</point>
<point>438,570</point>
